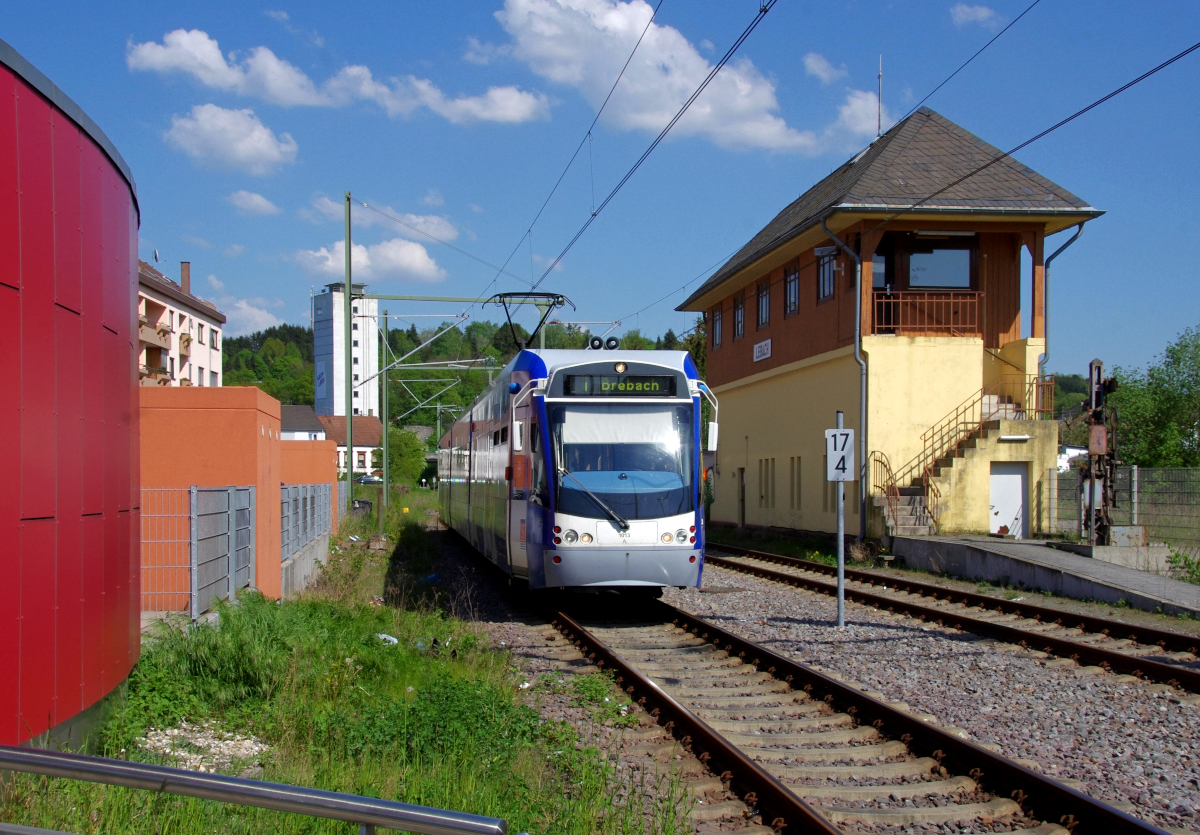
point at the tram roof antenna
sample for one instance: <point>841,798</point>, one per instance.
<point>546,302</point>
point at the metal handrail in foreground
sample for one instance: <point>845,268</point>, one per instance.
<point>367,812</point>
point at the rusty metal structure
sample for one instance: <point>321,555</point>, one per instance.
<point>1097,478</point>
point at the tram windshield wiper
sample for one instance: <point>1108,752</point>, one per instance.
<point>621,521</point>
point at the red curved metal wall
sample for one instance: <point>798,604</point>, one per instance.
<point>69,488</point>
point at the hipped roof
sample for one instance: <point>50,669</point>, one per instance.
<point>916,158</point>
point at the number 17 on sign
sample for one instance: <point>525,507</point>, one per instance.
<point>839,468</point>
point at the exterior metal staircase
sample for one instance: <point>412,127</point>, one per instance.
<point>910,499</point>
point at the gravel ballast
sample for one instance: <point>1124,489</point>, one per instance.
<point>1130,744</point>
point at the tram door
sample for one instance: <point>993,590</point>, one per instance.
<point>518,493</point>
<point>741,497</point>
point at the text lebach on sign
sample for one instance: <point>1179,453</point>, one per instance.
<point>839,455</point>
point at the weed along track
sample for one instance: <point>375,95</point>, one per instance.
<point>805,753</point>
<point>1150,654</point>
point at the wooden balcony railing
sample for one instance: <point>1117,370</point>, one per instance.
<point>927,313</point>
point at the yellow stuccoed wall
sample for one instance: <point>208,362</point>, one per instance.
<point>783,414</point>
<point>913,382</point>
<point>966,487</point>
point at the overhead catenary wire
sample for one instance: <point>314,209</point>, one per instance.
<point>1000,157</point>
<point>964,64</point>
<point>586,138</point>
<point>763,8</point>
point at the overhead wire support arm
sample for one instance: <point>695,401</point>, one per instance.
<point>422,404</point>
<point>394,363</point>
<point>545,302</point>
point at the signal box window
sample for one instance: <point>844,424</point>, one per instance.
<point>791,290</point>
<point>716,327</point>
<point>826,261</point>
<point>764,304</point>
<point>939,267</point>
<point>739,316</point>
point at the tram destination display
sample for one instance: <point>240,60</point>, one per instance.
<point>620,385</point>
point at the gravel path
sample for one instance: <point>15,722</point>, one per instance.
<point>1127,743</point>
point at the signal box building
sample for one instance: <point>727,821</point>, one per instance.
<point>956,432</point>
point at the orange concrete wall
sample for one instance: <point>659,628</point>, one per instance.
<point>310,462</point>
<point>214,437</point>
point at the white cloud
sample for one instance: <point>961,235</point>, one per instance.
<point>475,208</point>
<point>243,317</point>
<point>484,53</point>
<point>433,198</point>
<point>194,241</point>
<point>820,67</point>
<point>264,75</point>
<point>231,139</point>
<point>395,258</point>
<point>261,73</point>
<point>584,43</point>
<point>324,209</point>
<point>278,16</point>
<point>963,15</point>
<point>249,203</point>
<point>544,260</point>
<point>233,250</point>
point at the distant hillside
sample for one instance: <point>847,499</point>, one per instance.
<point>278,360</point>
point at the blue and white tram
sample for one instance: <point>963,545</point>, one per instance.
<point>582,469</point>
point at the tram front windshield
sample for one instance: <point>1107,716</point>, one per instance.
<point>638,458</point>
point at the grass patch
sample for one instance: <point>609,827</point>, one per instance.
<point>433,718</point>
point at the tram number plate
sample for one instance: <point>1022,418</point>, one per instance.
<point>839,455</point>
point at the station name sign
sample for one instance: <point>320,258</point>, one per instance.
<point>620,385</point>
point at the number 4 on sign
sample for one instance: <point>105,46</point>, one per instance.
<point>839,455</point>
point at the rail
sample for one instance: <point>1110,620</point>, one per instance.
<point>1082,652</point>
<point>367,812</point>
<point>927,313</point>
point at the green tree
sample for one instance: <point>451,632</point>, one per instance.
<point>670,342</point>
<point>634,341</point>
<point>1159,409</point>
<point>406,455</point>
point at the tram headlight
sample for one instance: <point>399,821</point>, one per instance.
<point>667,537</point>
<point>585,538</point>
<point>570,536</point>
<point>681,535</point>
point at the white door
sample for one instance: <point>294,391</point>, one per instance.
<point>1009,498</point>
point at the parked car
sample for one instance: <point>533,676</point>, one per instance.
<point>369,479</point>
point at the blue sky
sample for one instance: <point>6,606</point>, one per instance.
<point>244,124</point>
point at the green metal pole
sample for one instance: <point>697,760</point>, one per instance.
<point>347,299</point>
<point>541,309</point>
<point>383,409</point>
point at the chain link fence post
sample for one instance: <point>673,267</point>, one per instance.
<point>193,553</point>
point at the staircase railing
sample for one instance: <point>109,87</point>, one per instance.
<point>883,480</point>
<point>933,499</point>
<point>1010,397</point>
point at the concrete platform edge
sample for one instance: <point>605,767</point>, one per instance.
<point>973,561</point>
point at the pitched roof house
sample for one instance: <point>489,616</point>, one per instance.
<point>922,347</point>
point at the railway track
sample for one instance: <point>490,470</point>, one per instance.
<point>1149,654</point>
<point>809,754</point>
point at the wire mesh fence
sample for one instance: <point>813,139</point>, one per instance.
<point>1166,500</point>
<point>166,558</point>
<point>197,546</point>
<point>306,512</point>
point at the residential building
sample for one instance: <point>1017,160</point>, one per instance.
<point>329,352</point>
<point>179,334</point>
<point>368,437</point>
<point>953,389</point>
<point>300,423</point>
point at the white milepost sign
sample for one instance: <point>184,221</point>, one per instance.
<point>839,458</point>
<point>839,468</point>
